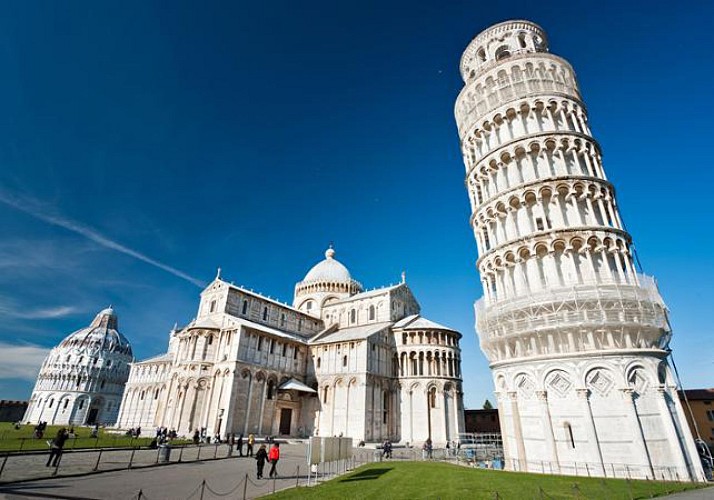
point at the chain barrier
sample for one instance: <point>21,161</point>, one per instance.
<point>230,492</point>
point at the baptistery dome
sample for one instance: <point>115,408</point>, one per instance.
<point>82,379</point>
<point>327,281</point>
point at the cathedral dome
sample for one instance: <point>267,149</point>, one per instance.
<point>328,280</point>
<point>329,269</point>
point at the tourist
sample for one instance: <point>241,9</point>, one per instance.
<point>387,449</point>
<point>273,457</point>
<point>56,447</point>
<point>426,450</point>
<point>196,437</point>
<point>249,448</point>
<point>240,446</point>
<point>261,456</point>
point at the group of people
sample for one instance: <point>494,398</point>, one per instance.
<point>134,432</point>
<point>272,456</point>
<point>39,430</point>
<point>387,449</point>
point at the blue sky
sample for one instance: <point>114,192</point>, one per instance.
<point>142,146</point>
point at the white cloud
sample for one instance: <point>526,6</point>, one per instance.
<point>21,361</point>
<point>37,210</point>
<point>10,309</point>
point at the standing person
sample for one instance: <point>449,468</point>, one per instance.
<point>196,436</point>
<point>274,456</point>
<point>240,446</point>
<point>57,446</point>
<point>261,456</point>
<point>251,442</point>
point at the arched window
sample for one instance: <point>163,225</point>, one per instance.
<point>265,314</point>
<point>319,362</point>
<point>245,307</point>
<point>353,316</point>
<point>66,402</point>
<point>324,396</point>
<point>282,320</point>
<point>522,40</point>
<point>213,306</point>
<point>51,401</point>
<point>156,394</point>
<point>502,53</point>
<point>385,406</point>
<point>432,397</point>
<point>270,389</point>
<point>81,404</point>
<point>481,54</point>
<point>141,396</point>
<point>371,313</point>
<point>344,360</point>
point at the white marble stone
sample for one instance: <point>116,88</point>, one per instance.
<point>576,339</point>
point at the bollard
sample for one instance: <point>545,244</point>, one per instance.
<point>198,457</point>
<point>131,458</point>
<point>203,489</point>
<point>96,466</point>
<point>215,452</point>
<point>181,453</point>
<point>2,467</point>
<point>245,486</point>
<point>297,476</point>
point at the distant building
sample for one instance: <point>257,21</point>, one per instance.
<point>339,361</point>
<point>701,402</point>
<point>12,411</point>
<point>482,421</point>
<point>82,379</point>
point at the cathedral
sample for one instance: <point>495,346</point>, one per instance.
<point>341,361</point>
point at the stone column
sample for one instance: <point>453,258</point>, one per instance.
<point>638,438</point>
<point>518,431</point>
<point>673,438</point>
<point>548,428</point>
<point>591,429</point>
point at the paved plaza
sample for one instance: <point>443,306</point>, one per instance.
<point>175,481</point>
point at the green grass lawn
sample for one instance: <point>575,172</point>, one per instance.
<point>15,440</point>
<point>422,480</point>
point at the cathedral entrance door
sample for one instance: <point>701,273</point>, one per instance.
<point>286,415</point>
<point>92,416</point>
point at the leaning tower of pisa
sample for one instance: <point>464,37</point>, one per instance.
<point>577,340</point>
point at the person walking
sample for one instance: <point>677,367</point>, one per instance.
<point>274,456</point>
<point>240,445</point>
<point>249,448</point>
<point>57,446</point>
<point>261,456</point>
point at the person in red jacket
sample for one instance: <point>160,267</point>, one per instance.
<point>273,457</point>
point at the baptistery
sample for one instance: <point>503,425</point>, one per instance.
<point>82,379</point>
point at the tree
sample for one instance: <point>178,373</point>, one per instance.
<point>487,405</point>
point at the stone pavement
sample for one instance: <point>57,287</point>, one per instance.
<point>703,494</point>
<point>224,479</point>
<point>33,465</point>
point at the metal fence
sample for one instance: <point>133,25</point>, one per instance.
<point>21,466</point>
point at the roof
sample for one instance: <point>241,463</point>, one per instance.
<point>295,385</point>
<point>697,394</point>
<point>347,334</point>
<point>368,294</point>
<point>329,269</point>
<point>417,322</point>
<point>102,334</point>
<point>158,359</point>
<point>267,329</point>
<point>204,323</point>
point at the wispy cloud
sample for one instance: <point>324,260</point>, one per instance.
<point>10,309</point>
<point>21,361</point>
<point>39,211</point>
